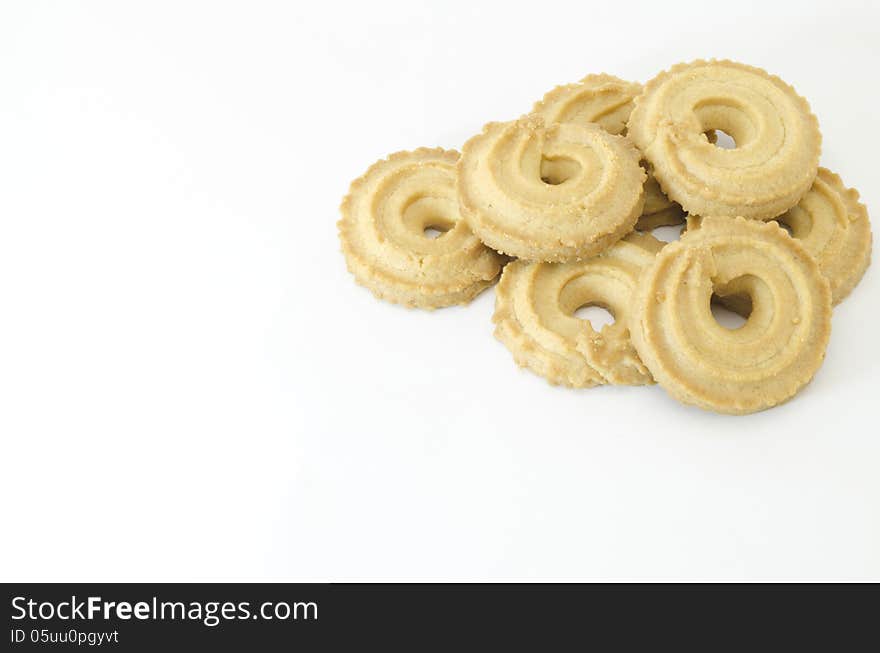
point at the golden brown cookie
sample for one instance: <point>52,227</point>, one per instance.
<point>777,139</point>
<point>534,315</point>
<point>608,101</point>
<point>550,193</point>
<point>385,225</point>
<point>602,99</point>
<point>758,365</point>
<point>833,226</point>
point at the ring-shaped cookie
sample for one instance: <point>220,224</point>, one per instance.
<point>386,220</point>
<point>550,193</point>
<point>833,226</point>
<point>762,363</point>
<point>608,101</point>
<point>602,99</point>
<point>534,315</point>
<point>777,139</point>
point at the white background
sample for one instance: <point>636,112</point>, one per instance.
<point>193,387</point>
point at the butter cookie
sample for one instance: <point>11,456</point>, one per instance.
<point>602,99</point>
<point>387,220</point>
<point>777,139</point>
<point>760,364</point>
<point>833,226</point>
<point>534,315</point>
<point>550,193</point>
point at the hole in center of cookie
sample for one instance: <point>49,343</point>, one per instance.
<point>731,311</point>
<point>724,140</point>
<point>728,124</point>
<point>435,231</point>
<point>558,170</point>
<point>597,316</point>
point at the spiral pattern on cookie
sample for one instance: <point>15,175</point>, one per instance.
<point>608,101</point>
<point>534,315</point>
<point>762,363</point>
<point>777,139</point>
<point>385,225</point>
<point>602,99</point>
<point>550,193</point>
<point>833,226</point>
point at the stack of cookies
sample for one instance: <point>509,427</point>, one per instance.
<point>560,203</point>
